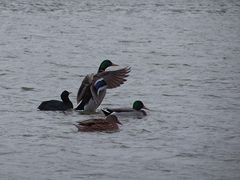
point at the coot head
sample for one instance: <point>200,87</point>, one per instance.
<point>64,95</point>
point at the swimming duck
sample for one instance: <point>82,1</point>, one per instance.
<point>55,105</point>
<point>110,123</point>
<point>93,88</point>
<point>136,110</point>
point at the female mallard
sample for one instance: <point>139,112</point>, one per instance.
<point>110,123</point>
<point>55,105</point>
<point>136,110</point>
<point>93,87</point>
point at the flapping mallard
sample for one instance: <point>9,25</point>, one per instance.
<point>135,111</point>
<point>93,87</point>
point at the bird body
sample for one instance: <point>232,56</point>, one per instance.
<point>124,112</point>
<point>135,111</point>
<point>56,105</point>
<point>94,86</point>
<point>110,123</point>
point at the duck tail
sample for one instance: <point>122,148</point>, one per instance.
<point>77,126</point>
<point>106,111</point>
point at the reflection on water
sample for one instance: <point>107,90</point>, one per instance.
<point>185,67</point>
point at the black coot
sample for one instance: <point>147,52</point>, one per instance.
<point>55,105</point>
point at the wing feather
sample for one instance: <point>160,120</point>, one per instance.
<point>86,83</point>
<point>114,78</point>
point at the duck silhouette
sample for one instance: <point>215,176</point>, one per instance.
<point>56,105</point>
<point>93,88</point>
<point>110,123</point>
<point>136,110</point>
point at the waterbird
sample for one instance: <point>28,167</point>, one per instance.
<point>93,88</point>
<point>56,105</point>
<point>135,111</point>
<point>110,123</point>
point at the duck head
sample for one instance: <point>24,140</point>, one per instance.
<point>138,105</point>
<point>113,118</point>
<point>105,64</point>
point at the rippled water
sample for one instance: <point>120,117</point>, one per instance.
<point>185,67</point>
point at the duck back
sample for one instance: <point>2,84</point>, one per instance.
<point>54,105</point>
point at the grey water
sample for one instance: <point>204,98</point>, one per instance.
<point>185,60</point>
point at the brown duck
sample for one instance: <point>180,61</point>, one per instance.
<point>110,123</point>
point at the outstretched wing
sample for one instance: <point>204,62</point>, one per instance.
<point>114,78</point>
<point>84,88</point>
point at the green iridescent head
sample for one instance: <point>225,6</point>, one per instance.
<point>138,105</point>
<point>105,64</point>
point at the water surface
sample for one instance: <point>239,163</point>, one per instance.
<point>185,67</point>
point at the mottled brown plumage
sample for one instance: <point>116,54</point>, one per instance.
<point>110,123</point>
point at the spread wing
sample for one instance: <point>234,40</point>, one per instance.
<point>115,78</point>
<point>84,88</point>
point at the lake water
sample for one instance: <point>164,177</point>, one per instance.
<point>185,59</point>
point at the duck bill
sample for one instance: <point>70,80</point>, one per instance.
<point>114,64</point>
<point>144,107</point>
<point>119,122</point>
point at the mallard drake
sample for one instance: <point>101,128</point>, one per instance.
<point>110,123</point>
<point>136,110</point>
<point>93,87</point>
<point>56,105</point>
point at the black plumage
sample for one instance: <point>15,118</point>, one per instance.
<point>56,105</point>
